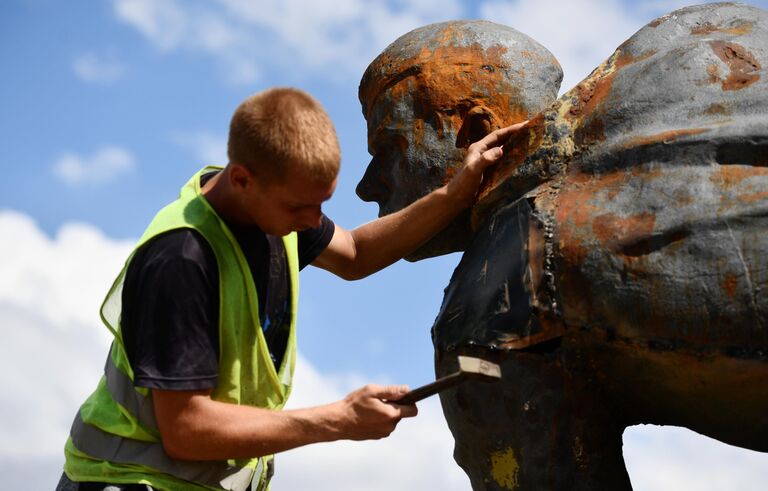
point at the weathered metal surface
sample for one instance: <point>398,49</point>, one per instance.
<point>494,298</point>
<point>617,267</point>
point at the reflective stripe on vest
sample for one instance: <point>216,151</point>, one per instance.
<point>106,446</point>
<point>91,440</point>
<point>120,387</point>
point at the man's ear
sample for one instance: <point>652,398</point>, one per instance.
<point>239,177</point>
<point>478,122</point>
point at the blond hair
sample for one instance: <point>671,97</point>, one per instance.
<point>284,129</point>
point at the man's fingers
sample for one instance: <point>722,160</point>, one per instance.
<point>386,392</point>
<point>492,155</point>
<point>407,410</point>
<point>392,392</point>
<point>498,137</point>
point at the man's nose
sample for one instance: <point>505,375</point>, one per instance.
<point>372,187</point>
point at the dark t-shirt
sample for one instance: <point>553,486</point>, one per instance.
<point>171,302</point>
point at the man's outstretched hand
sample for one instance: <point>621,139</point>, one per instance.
<point>480,155</point>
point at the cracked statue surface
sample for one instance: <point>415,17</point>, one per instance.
<point>614,263</point>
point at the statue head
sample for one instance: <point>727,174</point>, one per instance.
<point>432,93</point>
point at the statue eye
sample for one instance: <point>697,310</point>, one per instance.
<point>391,145</point>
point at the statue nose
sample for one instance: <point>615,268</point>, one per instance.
<point>372,187</point>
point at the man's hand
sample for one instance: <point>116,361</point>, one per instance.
<point>365,413</point>
<point>480,155</point>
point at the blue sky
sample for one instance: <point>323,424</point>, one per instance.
<point>108,107</point>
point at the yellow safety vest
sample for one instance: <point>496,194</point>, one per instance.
<point>115,438</point>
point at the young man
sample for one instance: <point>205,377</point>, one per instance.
<point>204,311</point>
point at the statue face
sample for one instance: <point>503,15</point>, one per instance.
<point>414,152</point>
<point>403,167</point>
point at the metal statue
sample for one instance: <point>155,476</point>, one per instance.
<point>615,263</point>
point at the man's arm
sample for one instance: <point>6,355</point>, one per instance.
<point>195,427</point>
<point>377,244</point>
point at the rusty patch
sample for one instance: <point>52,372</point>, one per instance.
<point>624,58</point>
<point>573,215</point>
<point>730,176</point>
<point>590,93</point>
<point>611,229</point>
<point>753,197</point>
<point>663,137</point>
<point>718,110</point>
<point>744,68</point>
<point>516,149</point>
<point>592,132</point>
<point>452,75</point>
<point>714,74</point>
<point>735,30</point>
<point>535,56</point>
<point>575,210</point>
<point>730,282</point>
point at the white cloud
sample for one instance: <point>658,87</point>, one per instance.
<point>54,347</point>
<point>105,165</point>
<point>207,148</point>
<point>164,23</point>
<point>94,69</point>
<point>580,33</point>
<point>246,37</point>
<point>669,458</point>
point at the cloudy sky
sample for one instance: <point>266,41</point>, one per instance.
<point>108,107</point>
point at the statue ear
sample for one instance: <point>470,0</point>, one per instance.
<point>477,123</point>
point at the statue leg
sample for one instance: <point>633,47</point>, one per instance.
<point>545,425</point>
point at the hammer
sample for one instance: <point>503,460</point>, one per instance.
<point>469,368</point>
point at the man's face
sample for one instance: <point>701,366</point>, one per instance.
<point>414,152</point>
<point>282,207</point>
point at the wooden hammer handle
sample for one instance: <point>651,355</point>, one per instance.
<point>432,388</point>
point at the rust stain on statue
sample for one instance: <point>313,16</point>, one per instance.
<point>737,190</point>
<point>714,75</point>
<point>730,282</point>
<point>718,109</point>
<point>753,197</point>
<point>590,133</point>
<point>624,57</point>
<point>729,176</point>
<point>455,76</point>
<point>663,137</point>
<point>590,93</point>
<point>744,68</point>
<point>739,29</point>
<point>516,149</point>
<point>612,230</point>
<point>574,215</point>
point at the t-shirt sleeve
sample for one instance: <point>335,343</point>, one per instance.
<point>313,241</point>
<point>170,313</point>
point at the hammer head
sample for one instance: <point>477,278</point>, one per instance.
<point>479,368</point>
